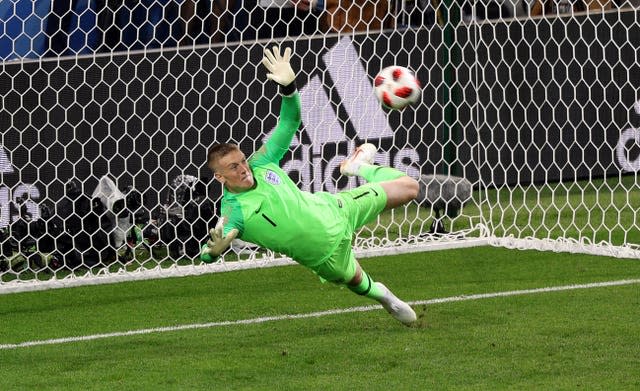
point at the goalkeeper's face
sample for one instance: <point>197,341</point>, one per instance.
<point>232,170</point>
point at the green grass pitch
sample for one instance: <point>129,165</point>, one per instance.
<point>574,339</point>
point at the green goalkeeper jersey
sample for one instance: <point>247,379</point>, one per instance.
<point>277,215</point>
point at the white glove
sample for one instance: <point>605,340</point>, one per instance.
<point>278,66</point>
<point>218,243</point>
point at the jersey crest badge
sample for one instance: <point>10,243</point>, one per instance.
<point>272,177</point>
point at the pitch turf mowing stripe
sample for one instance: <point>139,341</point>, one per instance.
<point>316,314</point>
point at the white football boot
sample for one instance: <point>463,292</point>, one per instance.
<point>396,307</point>
<point>366,153</point>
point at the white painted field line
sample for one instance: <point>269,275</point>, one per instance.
<point>314,314</point>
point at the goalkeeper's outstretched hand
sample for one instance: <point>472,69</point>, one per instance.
<point>278,66</point>
<point>218,242</point>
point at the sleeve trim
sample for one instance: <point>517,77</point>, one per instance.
<point>288,90</point>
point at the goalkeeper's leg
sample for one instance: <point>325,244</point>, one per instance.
<point>363,285</point>
<point>398,187</point>
<point>342,268</point>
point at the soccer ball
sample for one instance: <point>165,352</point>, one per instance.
<point>396,87</point>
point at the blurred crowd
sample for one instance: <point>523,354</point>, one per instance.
<point>30,29</point>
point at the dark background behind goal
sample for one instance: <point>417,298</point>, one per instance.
<point>540,101</point>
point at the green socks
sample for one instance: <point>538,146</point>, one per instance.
<point>367,287</point>
<point>373,173</point>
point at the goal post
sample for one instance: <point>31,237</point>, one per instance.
<point>565,93</point>
<point>103,152</point>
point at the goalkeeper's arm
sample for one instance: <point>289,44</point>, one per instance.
<point>218,243</point>
<point>279,70</point>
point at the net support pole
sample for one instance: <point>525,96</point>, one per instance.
<point>450,57</point>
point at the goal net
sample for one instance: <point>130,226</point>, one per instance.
<point>525,134</point>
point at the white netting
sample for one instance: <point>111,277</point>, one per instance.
<point>525,135</point>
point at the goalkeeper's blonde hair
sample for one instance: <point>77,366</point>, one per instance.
<point>218,151</point>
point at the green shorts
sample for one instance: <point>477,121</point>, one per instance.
<point>360,206</point>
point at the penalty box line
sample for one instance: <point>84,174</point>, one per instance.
<point>318,314</point>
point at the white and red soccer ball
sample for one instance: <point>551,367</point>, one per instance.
<point>396,87</point>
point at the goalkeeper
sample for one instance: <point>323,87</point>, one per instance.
<point>262,205</point>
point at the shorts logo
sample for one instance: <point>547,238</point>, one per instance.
<point>272,177</point>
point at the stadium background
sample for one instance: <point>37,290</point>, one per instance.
<point>145,117</point>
